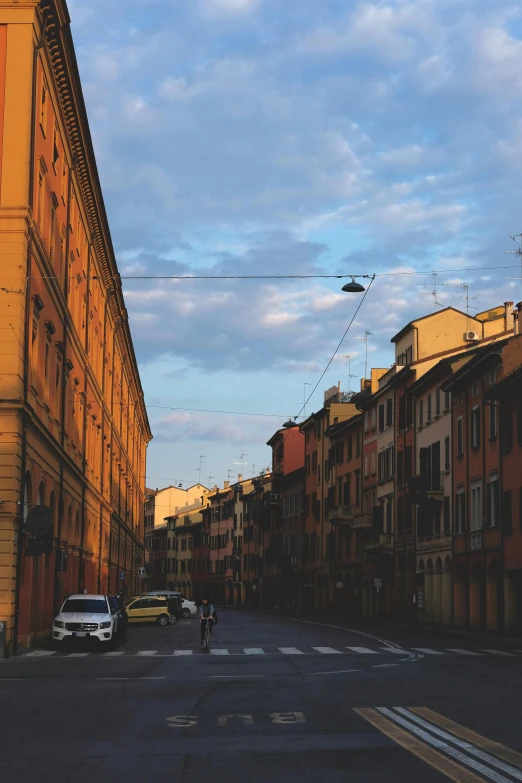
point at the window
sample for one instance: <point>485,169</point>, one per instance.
<point>475,427</point>
<point>460,511</point>
<point>437,402</point>
<point>389,412</point>
<point>460,436</point>
<point>381,418</point>
<point>307,464</point>
<point>389,507</point>
<point>349,447</point>
<point>400,515</point>
<point>421,413</point>
<point>314,462</point>
<point>44,100</point>
<point>492,377</point>
<point>56,153</point>
<point>366,465</point>
<point>408,462</point>
<point>428,416</point>
<point>402,413</point>
<point>357,487</point>
<point>493,420</point>
<point>476,505</point>
<point>318,474</point>
<point>447,501</point>
<point>326,470</point>
<point>339,453</point>
<point>400,468</point>
<point>446,453</point>
<point>347,495</point>
<point>475,390</point>
<point>357,444</point>
<point>493,500</point>
<point>374,417</point>
<point>373,465</point>
<point>409,354</point>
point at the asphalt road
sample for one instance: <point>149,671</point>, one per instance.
<point>274,700</point>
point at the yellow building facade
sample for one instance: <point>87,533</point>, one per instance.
<point>73,425</point>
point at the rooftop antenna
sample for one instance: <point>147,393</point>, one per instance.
<point>210,479</point>
<point>198,470</point>
<point>517,239</point>
<point>350,376</point>
<point>435,283</point>
<point>242,459</point>
<point>465,286</point>
<point>365,341</point>
<point>230,472</point>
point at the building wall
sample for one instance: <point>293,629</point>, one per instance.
<point>73,423</point>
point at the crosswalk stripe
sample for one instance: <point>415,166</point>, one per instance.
<point>147,652</point>
<point>182,652</point>
<point>253,651</point>
<point>40,653</point>
<point>462,652</point>
<point>290,651</point>
<point>219,652</point>
<point>113,654</point>
<point>362,650</point>
<point>394,650</point>
<point>427,650</point>
<point>78,655</point>
<point>327,650</point>
<point>498,652</point>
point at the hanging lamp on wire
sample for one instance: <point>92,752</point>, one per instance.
<point>353,287</point>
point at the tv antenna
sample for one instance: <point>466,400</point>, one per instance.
<point>517,239</point>
<point>242,458</point>
<point>198,470</point>
<point>210,481</point>
<point>469,298</point>
<point>230,473</point>
<point>350,376</point>
<point>433,293</point>
<point>365,341</point>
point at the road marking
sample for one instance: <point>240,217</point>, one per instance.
<point>182,652</point>
<point>248,720</point>
<point>362,650</point>
<point>152,678</point>
<point>115,678</point>
<point>384,665</point>
<point>219,652</point>
<point>236,676</point>
<point>440,745</point>
<point>462,652</point>
<point>394,650</point>
<point>327,650</point>
<point>499,652</point>
<point>40,653</point>
<point>113,654</point>
<point>13,679</point>
<point>147,652</point>
<point>467,746</point>
<point>471,736</point>
<point>428,651</point>
<point>433,757</point>
<point>253,651</point>
<point>290,651</point>
<point>341,671</point>
<point>78,655</point>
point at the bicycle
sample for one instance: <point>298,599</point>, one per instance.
<point>208,635</point>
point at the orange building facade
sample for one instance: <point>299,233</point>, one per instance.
<point>73,425</point>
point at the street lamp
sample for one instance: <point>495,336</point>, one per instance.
<point>353,287</point>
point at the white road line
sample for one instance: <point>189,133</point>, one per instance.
<point>78,655</point>
<point>236,676</point>
<point>290,651</point>
<point>182,652</point>
<point>428,651</point>
<point>152,678</point>
<point>341,671</point>
<point>499,652</point>
<point>113,654</point>
<point>115,678</point>
<point>467,746</point>
<point>13,679</point>
<point>394,650</point>
<point>384,665</point>
<point>462,652</point>
<point>327,650</point>
<point>147,652</point>
<point>253,651</point>
<point>363,650</point>
<point>40,654</point>
<point>219,652</point>
<point>443,746</point>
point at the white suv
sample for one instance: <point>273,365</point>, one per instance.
<point>85,617</point>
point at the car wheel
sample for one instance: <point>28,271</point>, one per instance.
<point>163,620</point>
<point>173,619</point>
<point>186,612</point>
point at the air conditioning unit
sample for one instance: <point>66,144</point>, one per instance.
<point>471,337</point>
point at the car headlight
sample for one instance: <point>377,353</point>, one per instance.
<point>105,625</point>
<point>58,624</point>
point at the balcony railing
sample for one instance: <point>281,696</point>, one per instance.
<point>476,539</point>
<point>382,543</point>
<point>431,483</point>
<point>362,522</point>
<point>341,515</point>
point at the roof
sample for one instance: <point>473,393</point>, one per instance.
<point>444,367</point>
<point>510,385</point>
<point>337,429</point>
<point>487,355</point>
<point>423,318</point>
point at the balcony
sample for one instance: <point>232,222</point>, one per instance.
<point>362,522</point>
<point>430,484</point>
<point>341,515</point>
<point>236,553</point>
<point>382,544</point>
<point>476,539</point>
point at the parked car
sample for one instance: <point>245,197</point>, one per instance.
<point>86,617</point>
<point>186,608</point>
<point>151,609</point>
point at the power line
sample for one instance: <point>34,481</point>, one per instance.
<point>193,410</point>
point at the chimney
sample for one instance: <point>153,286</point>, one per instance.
<point>226,484</point>
<point>240,477</point>
<point>517,312</point>
<point>508,316</point>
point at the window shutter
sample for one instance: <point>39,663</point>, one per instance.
<point>389,412</point>
<point>381,418</point>
<point>435,465</point>
<point>423,461</point>
<point>446,514</point>
<point>400,467</point>
<point>488,503</point>
<point>507,520</point>
<point>402,413</point>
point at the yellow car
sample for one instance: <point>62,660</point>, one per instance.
<point>150,609</point>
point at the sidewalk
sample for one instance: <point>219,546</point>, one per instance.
<point>331,618</point>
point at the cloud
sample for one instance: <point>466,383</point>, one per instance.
<point>228,7</point>
<point>180,426</point>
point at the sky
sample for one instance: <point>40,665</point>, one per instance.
<point>295,137</point>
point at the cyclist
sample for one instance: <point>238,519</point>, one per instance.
<point>206,614</point>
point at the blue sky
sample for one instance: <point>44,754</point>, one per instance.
<point>296,137</point>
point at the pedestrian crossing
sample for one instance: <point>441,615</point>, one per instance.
<point>288,651</point>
